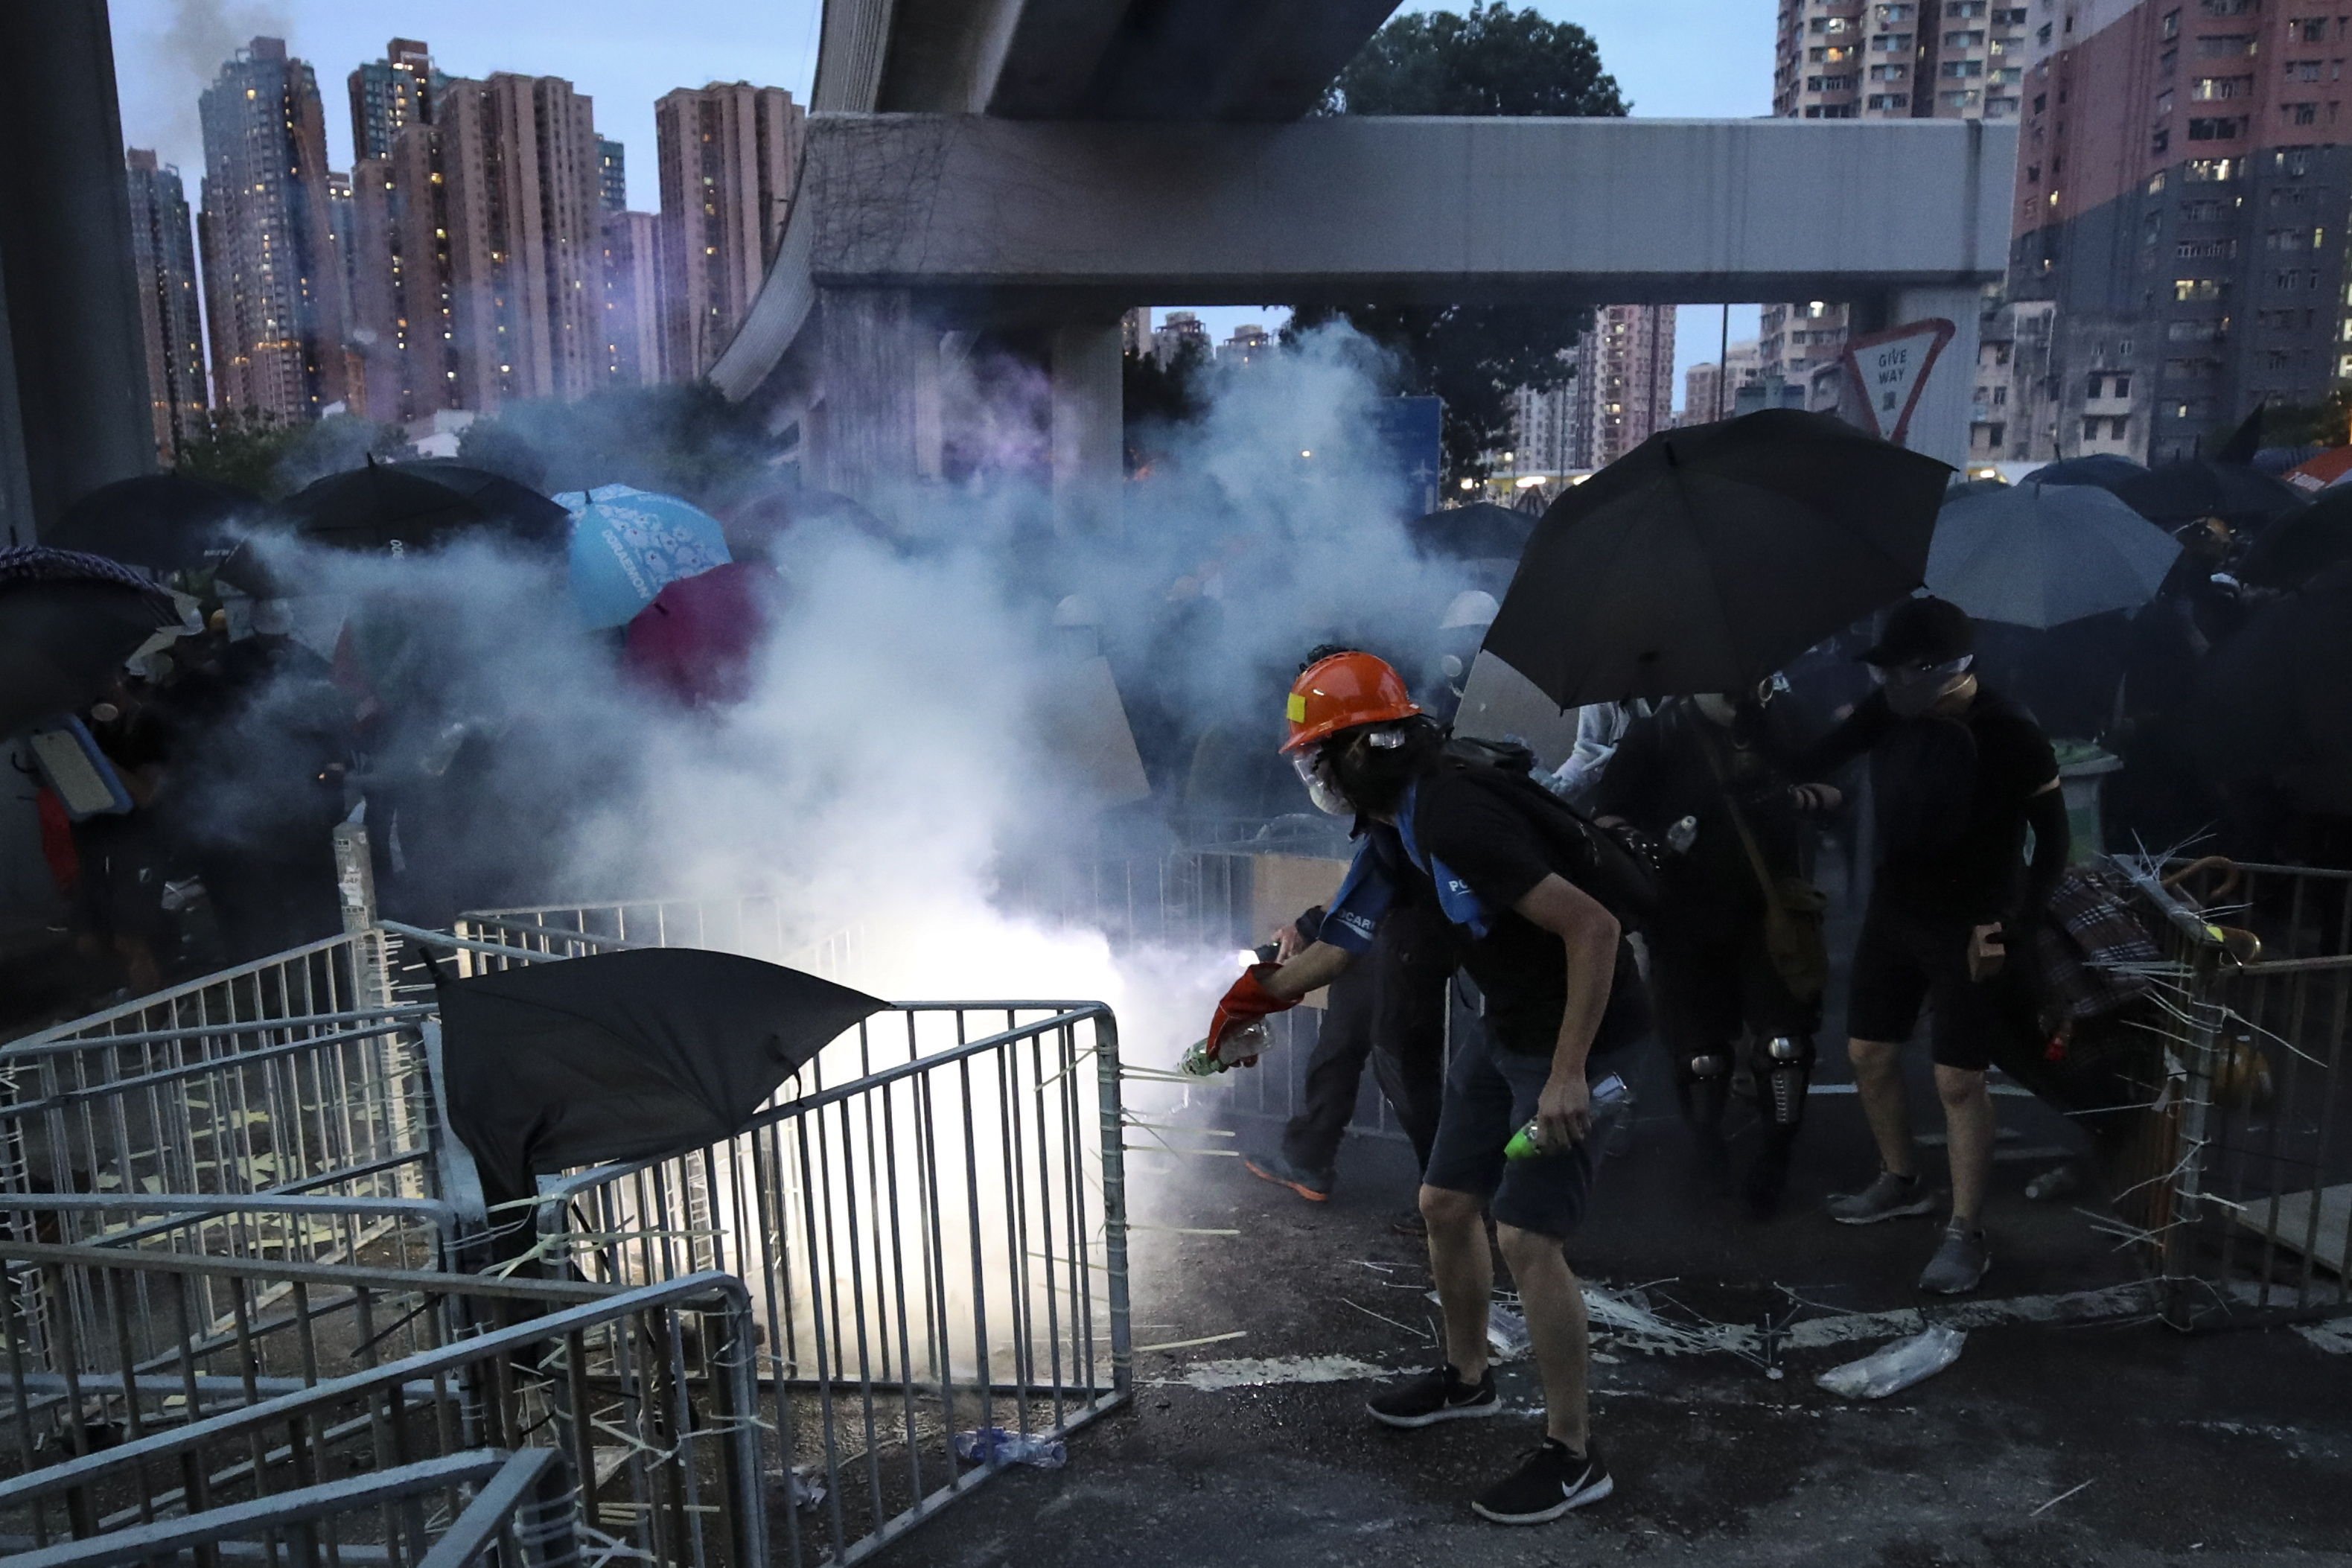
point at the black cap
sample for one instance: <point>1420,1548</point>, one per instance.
<point>1924,631</point>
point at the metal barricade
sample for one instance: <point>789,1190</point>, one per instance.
<point>2244,1189</point>
<point>462,1506</point>
<point>289,1075</point>
<point>931,1220</point>
<point>647,1395</point>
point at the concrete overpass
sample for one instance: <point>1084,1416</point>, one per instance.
<point>910,225</point>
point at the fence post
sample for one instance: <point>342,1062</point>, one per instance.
<point>355,891</point>
<point>1114,1184</point>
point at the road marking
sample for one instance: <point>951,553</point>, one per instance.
<point>1629,1327</point>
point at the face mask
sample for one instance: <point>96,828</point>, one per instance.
<point>1912,689</point>
<point>1716,707</point>
<point>1319,789</point>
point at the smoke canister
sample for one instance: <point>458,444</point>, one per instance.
<point>1243,1043</point>
<point>1612,1100</point>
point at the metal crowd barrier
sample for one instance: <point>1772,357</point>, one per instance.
<point>2246,1183</point>
<point>647,1396</point>
<point>453,1512</point>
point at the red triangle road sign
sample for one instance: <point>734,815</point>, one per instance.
<point>1889,371</point>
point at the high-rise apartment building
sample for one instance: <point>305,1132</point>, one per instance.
<point>1899,59</point>
<point>483,251</point>
<point>1710,390</point>
<point>729,154</point>
<point>2184,177</point>
<point>390,95</point>
<point>632,298</point>
<point>163,258</point>
<point>273,282</point>
<point>1181,333</point>
<point>612,175</point>
<point>1624,386</point>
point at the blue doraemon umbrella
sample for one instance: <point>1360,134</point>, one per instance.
<point>627,545</point>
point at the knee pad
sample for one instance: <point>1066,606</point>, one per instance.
<point>1707,1064</point>
<point>1785,1063</point>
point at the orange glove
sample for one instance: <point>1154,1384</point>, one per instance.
<point>1247,1001</point>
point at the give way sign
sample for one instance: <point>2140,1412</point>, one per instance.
<point>1889,371</point>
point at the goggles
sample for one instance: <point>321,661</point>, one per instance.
<point>1921,674</point>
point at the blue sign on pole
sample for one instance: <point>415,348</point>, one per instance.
<point>1409,430</point>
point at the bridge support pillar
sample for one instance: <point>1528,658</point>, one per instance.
<point>877,427</point>
<point>1087,438</point>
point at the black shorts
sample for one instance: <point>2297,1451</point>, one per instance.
<point>1491,1093</point>
<point>1903,959</point>
<point>1707,990</point>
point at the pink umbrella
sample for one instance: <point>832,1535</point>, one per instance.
<point>695,641</point>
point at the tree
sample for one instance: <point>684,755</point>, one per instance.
<point>1159,399</point>
<point>272,458</point>
<point>1493,61</point>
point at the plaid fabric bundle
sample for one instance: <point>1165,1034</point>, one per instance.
<point>2090,932</point>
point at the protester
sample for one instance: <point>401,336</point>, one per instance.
<point>1735,952</point>
<point>1599,729</point>
<point>1389,1010</point>
<point>1959,773</point>
<point>1516,877</point>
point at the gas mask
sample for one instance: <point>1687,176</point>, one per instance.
<point>1913,688</point>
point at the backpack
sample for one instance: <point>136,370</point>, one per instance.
<point>1618,866</point>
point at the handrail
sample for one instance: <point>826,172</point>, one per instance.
<point>236,1063</point>
<point>51,1045</point>
<point>429,1281</point>
<point>207,981</point>
<point>510,1477</point>
<point>69,1474</point>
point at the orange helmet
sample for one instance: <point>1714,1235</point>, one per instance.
<point>1341,693</point>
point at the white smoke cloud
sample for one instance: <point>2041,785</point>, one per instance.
<point>167,53</point>
<point>887,776</point>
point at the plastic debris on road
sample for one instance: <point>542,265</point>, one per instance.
<point>995,1445</point>
<point>1892,1368</point>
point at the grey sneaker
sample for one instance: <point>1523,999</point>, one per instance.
<point>1960,1263</point>
<point>1889,1197</point>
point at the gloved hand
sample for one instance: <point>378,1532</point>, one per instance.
<point>1247,1001</point>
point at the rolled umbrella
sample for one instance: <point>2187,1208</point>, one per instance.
<point>1706,558</point>
<point>2040,555</point>
<point>2185,491</point>
<point>2295,549</point>
<point>2273,702</point>
<point>629,544</point>
<point>68,621</point>
<point>625,1056</point>
<point>2103,469</point>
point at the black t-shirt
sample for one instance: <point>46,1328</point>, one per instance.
<point>1950,796</point>
<point>1661,774</point>
<point>1469,827</point>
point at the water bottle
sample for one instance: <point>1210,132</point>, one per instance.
<point>1683,835</point>
<point>995,1445</point>
<point>1243,1043</point>
<point>1612,1108</point>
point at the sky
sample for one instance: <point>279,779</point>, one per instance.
<point>1693,59</point>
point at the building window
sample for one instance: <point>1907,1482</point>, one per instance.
<point>2225,46</point>
<point>2303,70</point>
<point>2171,24</point>
<point>2188,290</point>
<point>2226,7</point>
<point>2210,88</point>
<point>2227,129</point>
<point>2301,113</point>
<point>2211,169</point>
<point>2313,30</point>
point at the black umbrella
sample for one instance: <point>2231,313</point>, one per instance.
<point>165,522</point>
<point>1705,559</point>
<point>2274,701</point>
<point>67,622</point>
<point>2103,469</point>
<point>527,514</point>
<point>2199,487</point>
<point>1479,531</point>
<point>2040,555</point>
<point>385,510</point>
<point>625,1056</point>
<point>2298,548</point>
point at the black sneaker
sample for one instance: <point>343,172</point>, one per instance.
<point>1409,1222</point>
<point>1434,1396</point>
<point>1547,1483</point>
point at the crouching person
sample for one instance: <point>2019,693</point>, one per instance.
<point>1509,867</point>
